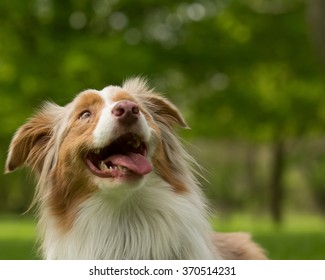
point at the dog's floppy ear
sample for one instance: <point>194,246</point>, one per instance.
<point>164,111</point>
<point>28,146</point>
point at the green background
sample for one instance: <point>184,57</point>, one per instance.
<point>248,76</point>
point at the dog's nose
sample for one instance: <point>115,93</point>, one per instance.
<point>127,112</point>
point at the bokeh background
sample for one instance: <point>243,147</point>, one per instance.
<point>248,75</point>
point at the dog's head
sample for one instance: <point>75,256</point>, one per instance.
<point>102,139</point>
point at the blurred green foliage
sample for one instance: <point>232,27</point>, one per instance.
<point>240,70</point>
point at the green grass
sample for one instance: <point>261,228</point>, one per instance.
<point>301,237</point>
<point>17,238</point>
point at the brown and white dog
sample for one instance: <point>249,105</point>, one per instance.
<point>114,181</point>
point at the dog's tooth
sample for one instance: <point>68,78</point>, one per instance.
<point>122,168</point>
<point>103,166</point>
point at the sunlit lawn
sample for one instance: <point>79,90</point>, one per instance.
<point>17,238</point>
<point>301,237</point>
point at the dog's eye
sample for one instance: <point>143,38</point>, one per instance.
<point>85,115</point>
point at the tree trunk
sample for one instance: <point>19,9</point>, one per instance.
<point>251,167</point>
<point>316,17</point>
<point>276,187</point>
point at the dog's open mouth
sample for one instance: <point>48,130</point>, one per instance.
<point>125,157</point>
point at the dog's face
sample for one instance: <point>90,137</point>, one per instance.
<point>110,135</point>
<point>100,140</point>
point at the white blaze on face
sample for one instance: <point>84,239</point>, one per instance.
<point>104,131</point>
<point>108,127</point>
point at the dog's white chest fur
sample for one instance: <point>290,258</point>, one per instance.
<point>152,223</point>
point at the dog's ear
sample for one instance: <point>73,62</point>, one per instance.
<point>164,111</point>
<point>28,146</point>
<point>159,107</point>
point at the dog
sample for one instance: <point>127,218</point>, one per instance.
<point>114,181</point>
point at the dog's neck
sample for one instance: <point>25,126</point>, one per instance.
<point>152,222</point>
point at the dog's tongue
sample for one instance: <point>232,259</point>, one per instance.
<point>135,162</point>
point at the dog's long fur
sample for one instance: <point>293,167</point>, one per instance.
<point>159,215</point>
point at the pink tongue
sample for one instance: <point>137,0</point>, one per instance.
<point>135,162</point>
